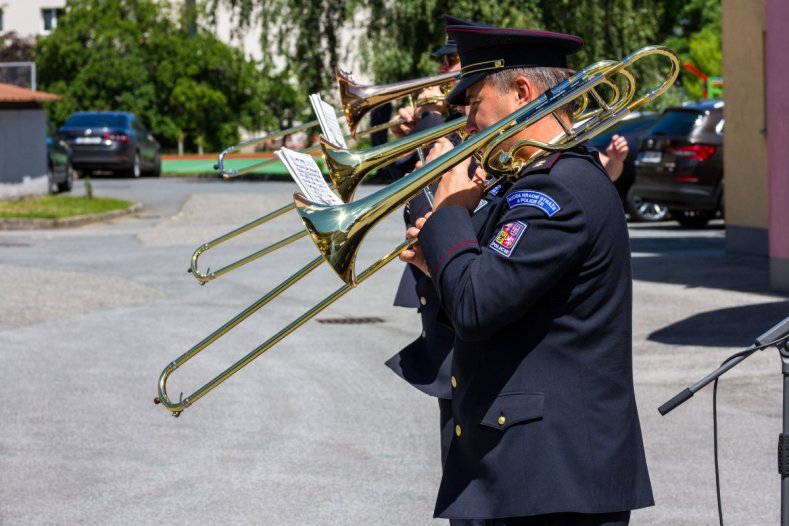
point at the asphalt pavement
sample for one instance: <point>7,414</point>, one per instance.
<point>317,431</point>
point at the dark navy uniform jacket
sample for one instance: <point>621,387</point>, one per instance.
<point>426,362</point>
<point>543,402</point>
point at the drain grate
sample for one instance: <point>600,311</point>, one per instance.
<point>351,321</point>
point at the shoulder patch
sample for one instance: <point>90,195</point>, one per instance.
<point>533,198</point>
<point>507,239</point>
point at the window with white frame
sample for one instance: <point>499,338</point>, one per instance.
<point>49,18</point>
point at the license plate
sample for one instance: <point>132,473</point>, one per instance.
<point>651,156</point>
<point>88,140</point>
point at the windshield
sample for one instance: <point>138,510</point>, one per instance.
<point>676,122</point>
<point>96,120</point>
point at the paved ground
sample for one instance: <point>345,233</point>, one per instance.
<point>317,431</point>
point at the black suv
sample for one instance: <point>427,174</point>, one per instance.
<point>111,140</point>
<point>680,162</point>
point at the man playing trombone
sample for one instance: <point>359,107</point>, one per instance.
<point>546,430</point>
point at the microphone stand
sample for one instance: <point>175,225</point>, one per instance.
<point>775,336</point>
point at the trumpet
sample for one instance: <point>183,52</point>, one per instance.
<point>339,230</point>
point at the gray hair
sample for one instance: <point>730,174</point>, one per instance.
<point>543,78</point>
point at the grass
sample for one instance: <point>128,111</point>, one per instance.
<point>59,206</point>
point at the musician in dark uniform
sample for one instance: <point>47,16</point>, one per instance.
<point>546,430</point>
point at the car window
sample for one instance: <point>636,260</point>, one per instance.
<point>680,122</point>
<point>96,120</point>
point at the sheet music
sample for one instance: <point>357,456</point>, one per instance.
<point>327,118</point>
<point>308,176</point>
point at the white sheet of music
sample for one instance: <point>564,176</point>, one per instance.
<point>308,176</point>
<point>327,118</point>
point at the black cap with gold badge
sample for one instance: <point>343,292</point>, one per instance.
<point>484,50</point>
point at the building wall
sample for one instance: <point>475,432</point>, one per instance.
<point>776,20</point>
<point>745,153</point>
<point>25,16</point>
<point>23,153</point>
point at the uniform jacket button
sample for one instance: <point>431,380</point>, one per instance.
<point>424,333</point>
<point>454,382</point>
<point>457,429</point>
<point>422,300</point>
<point>502,420</point>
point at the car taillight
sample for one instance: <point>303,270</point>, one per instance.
<point>696,152</point>
<point>118,137</point>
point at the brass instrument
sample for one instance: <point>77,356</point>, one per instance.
<point>339,230</point>
<point>347,169</point>
<point>356,100</point>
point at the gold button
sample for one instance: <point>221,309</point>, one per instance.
<point>457,430</point>
<point>422,300</point>
<point>502,420</point>
<point>454,382</point>
<point>424,333</point>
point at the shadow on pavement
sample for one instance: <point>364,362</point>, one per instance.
<point>731,327</point>
<point>697,259</point>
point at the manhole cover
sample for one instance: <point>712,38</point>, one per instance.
<point>351,321</point>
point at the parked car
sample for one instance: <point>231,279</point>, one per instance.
<point>111,140</point>
<point>681,162</point>
<point>632,129</point>
<point>59,169</point>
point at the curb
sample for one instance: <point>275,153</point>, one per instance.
<point>66,222</point>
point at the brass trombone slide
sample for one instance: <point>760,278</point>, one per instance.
<point>347,169</point>
<point>381,203</point>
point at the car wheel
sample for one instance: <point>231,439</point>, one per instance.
<point>692,218</point>
<point>51,184</point>
<point>135,170</point>
<point>157,167</point>
<point>68,183</point>
<point>642,211</point>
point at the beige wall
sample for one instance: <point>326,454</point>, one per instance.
<point>745,154</point>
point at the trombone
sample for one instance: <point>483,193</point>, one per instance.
<point>347,169</point>
<point>339,230</point>
<point>356,100</point>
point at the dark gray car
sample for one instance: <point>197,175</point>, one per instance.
<point>111,141</point>
<point>680,162</point>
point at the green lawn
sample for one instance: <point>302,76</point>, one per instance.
<point>59,206</point>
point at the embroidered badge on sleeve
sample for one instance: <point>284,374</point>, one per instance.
<point>507,239</point>
<point>536,199</point>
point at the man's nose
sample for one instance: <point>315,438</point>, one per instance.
<point>471,126</point>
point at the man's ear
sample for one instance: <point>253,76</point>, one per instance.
<point>525,90</point>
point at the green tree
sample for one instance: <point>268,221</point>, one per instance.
<point>130,55</point>
<point>400,35</point>
<point>693,30</point>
